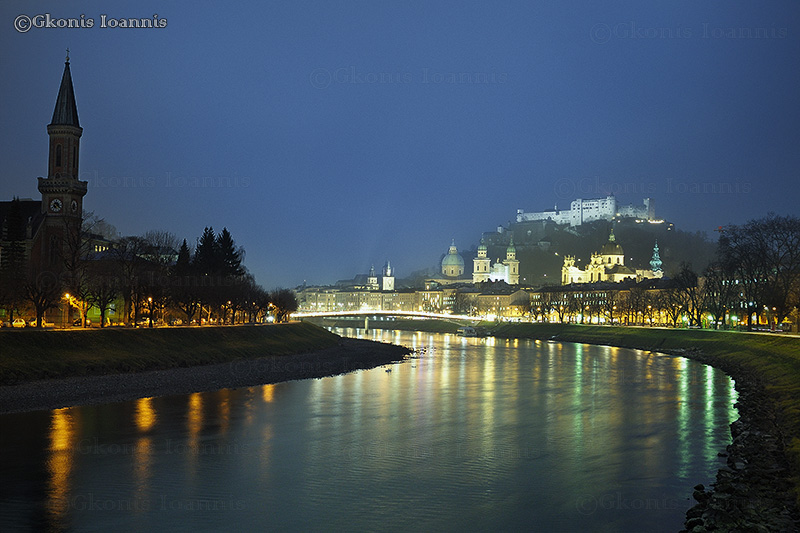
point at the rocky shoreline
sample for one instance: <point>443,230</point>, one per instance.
<point>754,491</point>
<point>348,355</point>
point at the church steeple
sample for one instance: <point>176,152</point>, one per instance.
<point>62,191</point>
<point>66,112</point>
<point>64,131</point>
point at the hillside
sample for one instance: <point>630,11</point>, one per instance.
<point>541,247</point>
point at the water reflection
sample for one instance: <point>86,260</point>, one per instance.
<point>145,414</point>
<point>62,446</point>
<point>474,434</point>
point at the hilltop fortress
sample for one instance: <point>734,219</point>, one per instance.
<point>582,211</point>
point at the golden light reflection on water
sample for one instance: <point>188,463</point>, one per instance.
<point>194,419</point>
<point>145,417</point>
<point>268,393</point>
<point>63,438</point>
<point>194,425</point>
<point>142,460</point>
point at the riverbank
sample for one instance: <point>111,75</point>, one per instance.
<point>53,369</point>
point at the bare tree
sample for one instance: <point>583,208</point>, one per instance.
<point>103,286</point>
<point>764,257</point>
<point>43,290</point>
<point>610,304</point>
<point>284,303</point>
<point>719,291</point>
<point>78,238</point>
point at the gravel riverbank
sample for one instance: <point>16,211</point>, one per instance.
<point>348,355</point>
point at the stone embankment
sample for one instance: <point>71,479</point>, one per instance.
<point>754,491</point>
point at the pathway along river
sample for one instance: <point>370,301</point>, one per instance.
<point>475,434</point>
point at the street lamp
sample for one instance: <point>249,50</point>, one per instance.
<point>150,306</point>
<point>65,316</point>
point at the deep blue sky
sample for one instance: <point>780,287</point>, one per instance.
<point>346,142</point>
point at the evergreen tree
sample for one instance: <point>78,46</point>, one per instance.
<point>206,256</point>
<point>184,291</point>
<point>184,261</point>
<point>229,258</point>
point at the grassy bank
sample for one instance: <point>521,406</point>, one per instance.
<point>28,355</point>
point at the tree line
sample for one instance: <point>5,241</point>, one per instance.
<point>754,279</point>
<point>156,277</point>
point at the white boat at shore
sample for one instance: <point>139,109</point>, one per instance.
<point>473,331</point>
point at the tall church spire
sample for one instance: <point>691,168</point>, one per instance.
<point>66,112</point>
<point>62,190</point>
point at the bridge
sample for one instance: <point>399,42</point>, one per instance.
<point>366,314</point>
<point>376,313</point>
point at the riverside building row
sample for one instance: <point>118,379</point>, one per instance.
<point>492,289</point>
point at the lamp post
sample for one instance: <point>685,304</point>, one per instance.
<point>150,307</point>
<point>65,314</point>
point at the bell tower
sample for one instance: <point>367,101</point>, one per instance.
<point>481,265</point>
<point>62,191</point>
<point>512,263</point>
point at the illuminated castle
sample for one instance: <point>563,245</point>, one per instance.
<point>582,211</point>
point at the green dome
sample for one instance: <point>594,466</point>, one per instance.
<point>453,259</point>
<point>452,264</point>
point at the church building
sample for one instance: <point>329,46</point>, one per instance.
<point>506,270</point>
<point>49,224</point>
<point>608,265</point>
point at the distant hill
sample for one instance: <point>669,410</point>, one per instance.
<point>541,247</point>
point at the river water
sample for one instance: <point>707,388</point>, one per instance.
<point>473,434</point>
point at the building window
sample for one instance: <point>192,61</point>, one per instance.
<point>58,155</point>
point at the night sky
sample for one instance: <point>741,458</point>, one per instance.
<point>328,136</point>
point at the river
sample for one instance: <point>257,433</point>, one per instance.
<point>472,434</point>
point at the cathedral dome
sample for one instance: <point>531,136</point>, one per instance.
<point>453,263</point>
<point>611,247</point>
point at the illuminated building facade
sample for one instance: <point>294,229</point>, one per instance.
<point>582,211</point>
